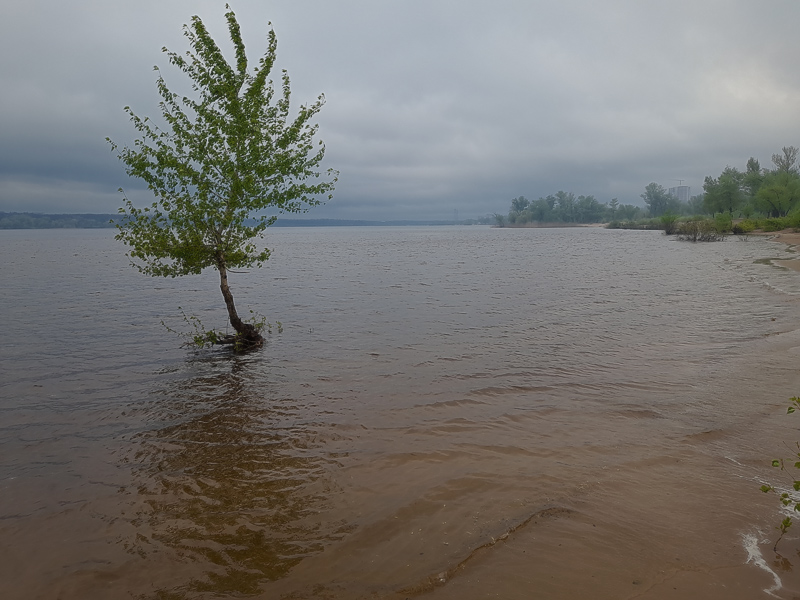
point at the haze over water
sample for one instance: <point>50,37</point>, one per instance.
<point>451,412</point>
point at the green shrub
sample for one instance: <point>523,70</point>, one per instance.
<point>743,227</point>
<point>793,220</point>
<point>647,224</point>
<point>723,222</point>
<point>699,230</point>
<point>669,222</point>
<point>774,224</point>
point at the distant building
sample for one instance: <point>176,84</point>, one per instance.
<point>681,192</point>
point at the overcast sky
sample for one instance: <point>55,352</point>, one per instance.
<point>432,105</point>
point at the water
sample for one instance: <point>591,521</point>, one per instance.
<point>458,412</point>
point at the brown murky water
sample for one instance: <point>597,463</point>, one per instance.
<point>447,413</point>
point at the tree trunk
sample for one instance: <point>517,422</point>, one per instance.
<point>247,336</point>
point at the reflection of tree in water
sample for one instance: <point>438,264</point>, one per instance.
<point>232,482</point>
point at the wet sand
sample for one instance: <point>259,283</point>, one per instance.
<point>791,239</point>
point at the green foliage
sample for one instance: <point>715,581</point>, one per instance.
<point>743,227</point>
<point>725,193</point>
<point>199,337</point>
<point>772,192</point>
<point>723,223</point>
<point>699,230</point>
<point>696,205</point>
<point>221,164</point>
<point>773,224</point>
<point>60,221</point>
<point>786,498</point>
<point>753,177</point>
<point>519,204</point>
<point>566,207</point>
<point>786,162</point>
<point>779,193</point>
<point>656,198</point>
<point>669,221</point>
<point>639,224</point>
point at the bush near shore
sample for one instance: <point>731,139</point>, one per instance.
<point>704,229</point>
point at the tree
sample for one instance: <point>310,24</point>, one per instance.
<point>628,212</point>
<point>589,210</point>
<point>656,198</point>
<point>786,162</point>
<point>517,213</point>
<point>724,193</point>
<point>753,177</point>
<point>779,193</point>
<point>519,204</point>
<point>696,205</point>
<point>222,163</point>
<point>565,206</point>
<point>542,209</point>
<point>613,207</point>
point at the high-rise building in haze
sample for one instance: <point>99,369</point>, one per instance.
<point>681,192</point>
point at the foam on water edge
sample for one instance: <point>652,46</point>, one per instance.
<point>750,543</point>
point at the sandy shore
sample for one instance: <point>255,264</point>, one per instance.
<point>786,236</point>
<point>791,239</point>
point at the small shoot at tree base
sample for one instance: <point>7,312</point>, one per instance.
<point>200,337</point>
<point>221,167</point>
<point>787,499</point>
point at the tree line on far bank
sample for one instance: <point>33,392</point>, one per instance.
<point>754,193</point>
<point>9,220</point>
<point>565,207</point>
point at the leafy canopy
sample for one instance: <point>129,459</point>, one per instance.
<point>656,198</point>
<point>223,160</point>
<point>724,194</point>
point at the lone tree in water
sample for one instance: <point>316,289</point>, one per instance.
<point>223,161</point>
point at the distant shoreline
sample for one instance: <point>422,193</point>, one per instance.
<point>547,225</point>
<point>24,220</point>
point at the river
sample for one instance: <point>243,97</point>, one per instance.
<point>447,412</point>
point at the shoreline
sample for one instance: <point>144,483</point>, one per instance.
<point>791,239</point>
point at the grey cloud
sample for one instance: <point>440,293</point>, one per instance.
<point>431,106</point>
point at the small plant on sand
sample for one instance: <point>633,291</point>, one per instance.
<point>787,498</point>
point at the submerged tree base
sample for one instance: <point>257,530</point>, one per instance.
<point>250,339</point>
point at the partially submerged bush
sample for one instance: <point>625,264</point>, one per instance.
<point>669,221</point>
<point>699,230</point>
<point>743,227</point>
<point>642,224</point>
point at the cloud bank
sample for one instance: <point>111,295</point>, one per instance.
<point>431,107</point>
